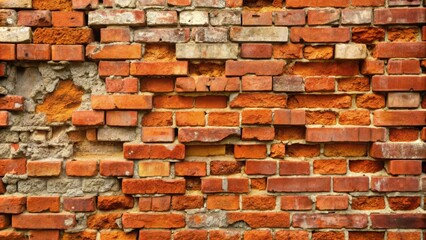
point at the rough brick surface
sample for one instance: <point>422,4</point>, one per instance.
<point>212,119</point>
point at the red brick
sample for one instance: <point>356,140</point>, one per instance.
<point>13,205</point>
<point>394,184</point>
<point>41,204</point>
<point>128,102</point>
<point>288,51</point>
<point>12,103</point>
<point>256,50</point>
<point>252,18</point>
<point>398,83</point>
<point>404,67</point>
<point>368,203</point>
<point>260,219</point>
<point>196,169</point>
<point>348,134</point>
<point>296,203</point>
<point>88,118</point>
<point>323,17</point>
<point>68,19</point>
<point>332,202</point>
<point>225,167</point>
<point>399,118</point>
<point>226,119</point>
<point>368,3</point>
<point>250,151</point>
<point>44,168</point>
<point>400,50</point>
<point>229,202</point>
<point>187,202</point>
<point>399,16</point>
<point>219,185</point>
<point>190,235</point>
<point>146,220</point>
<point>260,68</point>
<point>33,52</point>
<point>157,119</point>
<point>157,85</point>
<point>404,203</point>
<point>400,221</point>
<point>43,221</point>
<point>121,85</point>
<point>145,151</point>
<point>404,235</point>
<point>13,166</point>
<point>224,234</point>
<point>350,184</point>
<point>7,52</point>
<point>173,102</point>
<point>211,102</point>
<point>115,202</point>
<point>258,100</point>
<point>116,68</point>
<point>34,18</point>
<point>153,186</point>
<point>154,234</point>
<point>289,117</point>
<point>366,166</point>
<point>303,150</point>
<point>286,235</point>
<point>256,83</point>
<point>300,184</point>
<point>206,134</point>
<point>403,134</point>
<point>289,18</point>
<point>114,168</point>
<point>258,202</point>
<point>319,84</point>
<point>330,166</point>
<point>316,3</point>
<point>258,234</point>
<point>260,167</point>
<point>294,168</point>
<point>158,134</point>
<point>290,133</point>
<point>256,116</point>
<point>258,133</point>
<point>85,4</point>
<point>114,52</point>
<point>398,150</point>
<point>43,235</point>
<point>346,68</point>
<point>121,118</point>
<point>68,53</point>
<point>159,68</point>
<point>370,101</point>
<point>115,34</point>
<point>179,3</point>
<point>330,220</point>
<point>79,204</point>
<point>81,168</point>
<point>371,67</point>
<point>319,35</point>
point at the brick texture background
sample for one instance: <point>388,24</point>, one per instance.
<point>212,119</point>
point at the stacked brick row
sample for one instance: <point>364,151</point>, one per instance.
<point>212,119</point>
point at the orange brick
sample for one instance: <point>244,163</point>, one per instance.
<point>7,52</point>
<point>68,53</point>
<point>115,34</point>
<point>68,19</point>
<point>44,168</point>
<point>81,168</point>
<point>43,204</point>
<point>33,52</point>
<point>109,68</point>
<point>4,118</point>
<point>158,134</point>
<point>223,202</point>
<point>193,118</point>
<point>122,118</point>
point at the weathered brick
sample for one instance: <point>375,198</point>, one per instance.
<point>128,102</point>
<point>324,17</point>
<point>356,16</point>
<point>162,35</point>
<point>256,50</point>
<point>34,18</point>
<point>259,34</point>
<point>252,18</point>
<point>302,184</point>
<point>161,18</point>
<point>320,35</point>
<point>360,134</point>
<point>43,221</point>
<point>145,151</point>
<point>206,51</point>
<point>15,34</point>
<point>117,17</point>
<point>314,3</point>
<point>402,221</point>
<point>350,51</point>
<point>114,168</point>
<point>44,168</point>
<point>330,220</point>
<point>146,220</point>
<point>399,118</point>
<point>400,50</point>
<point>198,18</point>
<point>151,169</point>
<point>16,4</point>
<point>79,204</point>
<point>289,18</point>
<point>261,220</point>
<point>12,205</point>
<point>399,16</point>
<point>398,83</point>
<point>206,134</point>
<point>65,36</point>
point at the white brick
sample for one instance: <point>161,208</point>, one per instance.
<point>210,34</point>
<point>16,4</point>
<point>8,17</point>
<point>117,17</point>
<point>161,18</point>
<point>225,17</point>
<point>206,51</point>
<point>350,51</point>
<point>356,16</point>
<point>15,34</point>
<point>194,18</point>
<point>259,34</point>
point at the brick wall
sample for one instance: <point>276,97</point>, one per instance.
<point>212,119</point>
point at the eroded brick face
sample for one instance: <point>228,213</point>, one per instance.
<point>212,119</point>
